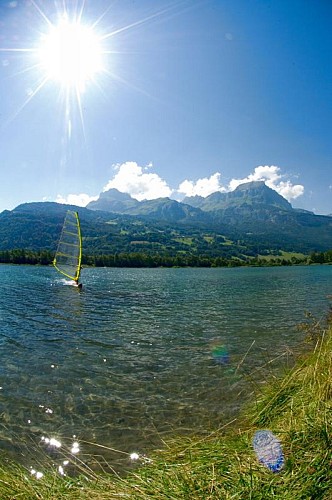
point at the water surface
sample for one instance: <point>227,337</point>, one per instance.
<point>139,354</point>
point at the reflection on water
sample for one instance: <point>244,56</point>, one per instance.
<point>139,353</point>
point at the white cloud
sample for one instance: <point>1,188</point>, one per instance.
<point>269,174</point>
<point>138,182</point>
<point>272,177</point>
<point>143,184</point>
<point>262,173</point>
<point>289,191</point>
<point>203,187</point>
<point>80,200</point>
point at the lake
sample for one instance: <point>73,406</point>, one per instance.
<point>141,354</point>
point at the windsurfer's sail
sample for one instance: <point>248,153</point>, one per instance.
<point>68,256</point>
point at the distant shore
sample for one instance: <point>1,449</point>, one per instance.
<point>137,260</point>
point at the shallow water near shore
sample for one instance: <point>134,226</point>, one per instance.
<point>140,354</point>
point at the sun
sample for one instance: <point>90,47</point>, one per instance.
<point>70,54</point>
<point>68,50</point>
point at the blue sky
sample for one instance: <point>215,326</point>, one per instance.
<point>191,97</point>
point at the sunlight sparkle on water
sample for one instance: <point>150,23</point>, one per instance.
<point>51,442</point>
<point>75,448</point>
<point>38,475</point>
<point>143,458</point>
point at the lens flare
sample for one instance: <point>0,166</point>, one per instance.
<point>268,450</point>
<point>220,354</point>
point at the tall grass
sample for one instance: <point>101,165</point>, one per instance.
<point>297,408</point>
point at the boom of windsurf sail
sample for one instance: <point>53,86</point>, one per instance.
<point>68,256</point>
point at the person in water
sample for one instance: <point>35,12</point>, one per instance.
<point>79,285</point>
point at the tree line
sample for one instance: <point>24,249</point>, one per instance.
<point>135,259</point>
<point>321,257</point>
<point>138,259</point>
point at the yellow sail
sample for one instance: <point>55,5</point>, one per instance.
<point>69,252</point>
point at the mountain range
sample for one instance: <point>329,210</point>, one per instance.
<point>252,219</point>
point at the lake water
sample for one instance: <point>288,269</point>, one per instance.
<point>140,354</point>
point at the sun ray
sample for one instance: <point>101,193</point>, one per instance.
<point>72,53</point>
<point>80,15</point>
<point>25,103</point>
<point>133,25</point>
<point>101,17</point>
<point>41,13</point>
<point>80,108</point>
<point>4,49</point>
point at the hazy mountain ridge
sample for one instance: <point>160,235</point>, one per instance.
<point>249,204</point>
<point>114,201</point>
<point>250,193</point>
<point>160,208</point>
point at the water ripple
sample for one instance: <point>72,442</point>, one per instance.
<point>140,352</point>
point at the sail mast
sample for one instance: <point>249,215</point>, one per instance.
<point>78,271</point>
<point>68,256</point>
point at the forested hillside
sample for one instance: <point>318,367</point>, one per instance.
<point>249,222</point>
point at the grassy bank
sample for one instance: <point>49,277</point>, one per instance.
<point>297,408</point>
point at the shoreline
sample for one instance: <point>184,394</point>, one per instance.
<point>296,407</point>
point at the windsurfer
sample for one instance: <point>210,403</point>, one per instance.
<point>79,285</point>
